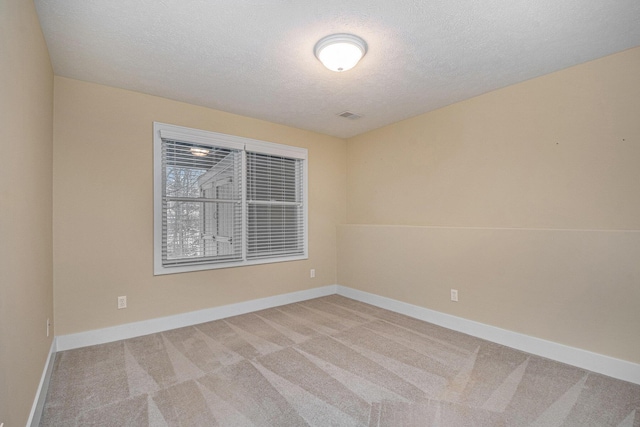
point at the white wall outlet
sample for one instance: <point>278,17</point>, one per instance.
<point>312,273</point>
<point>454,295</point>
<point>48,326</point>
<point>122,302</point>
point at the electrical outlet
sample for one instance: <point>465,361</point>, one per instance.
<point>48,327</point>
<point>312,273</point>
<point>454,295</point>
<point>122,302</point>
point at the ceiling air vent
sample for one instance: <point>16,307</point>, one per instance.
<point>349,115</point>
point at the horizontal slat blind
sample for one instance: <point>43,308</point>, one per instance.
<point>224,201</point>
<point>275,211</point>
<point>201,200</point>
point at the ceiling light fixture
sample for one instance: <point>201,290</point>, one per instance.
<point>200,152</point>
<point>340,52</point>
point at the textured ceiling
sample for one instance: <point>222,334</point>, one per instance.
<point>255,58</point>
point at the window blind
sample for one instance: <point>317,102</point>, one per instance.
<point>202,204</point>
<point>275,214</point>
<point>224,201</point>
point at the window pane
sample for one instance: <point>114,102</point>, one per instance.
<point>202,194</point>
<point>275,222</point>
<point>273,178</point>
<point>183,230</point>
<point>274,231</point>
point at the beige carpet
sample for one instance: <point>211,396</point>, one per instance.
<point>330,361</point>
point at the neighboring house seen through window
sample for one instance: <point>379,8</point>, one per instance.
<point>224,201</point>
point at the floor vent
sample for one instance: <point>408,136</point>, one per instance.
<point>349,115</point>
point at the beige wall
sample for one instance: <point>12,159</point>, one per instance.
<point>103,210</point>
<point>26,126</point>
<point>525,199</point>
<point>560,152</point>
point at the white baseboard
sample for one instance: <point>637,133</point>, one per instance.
<point>151,326</point>
<point>584,359</point>
<point>606,365</point>
<point>41,393</point>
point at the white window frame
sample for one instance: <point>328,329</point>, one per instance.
<point>178,133</point>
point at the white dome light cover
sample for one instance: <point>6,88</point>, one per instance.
<point>340,52</point>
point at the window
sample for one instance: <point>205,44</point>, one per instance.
<point>225,201</point>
